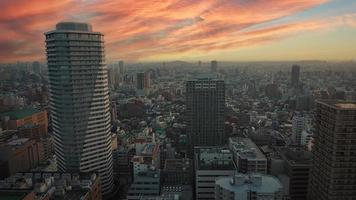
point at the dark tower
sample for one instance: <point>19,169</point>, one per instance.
<point>295,75</point>
<point>205,99</point>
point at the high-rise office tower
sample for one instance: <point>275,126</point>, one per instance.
<point>140,80</point>
<point>295,75</point>
<point>298,125</point>
<point>205,99</point>
<point>111,77</point>
<point>117,75</point>
<point>147,81</point>
<point>36,67</point>
<point>214,66</point>
<point>121,67</point>
<point>333,175</point>
<point>79,100</point>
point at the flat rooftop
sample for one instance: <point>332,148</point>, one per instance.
<point>244,182</point>
<point>150,149</point>
<point>213,158</point>
<point>246,148</point>
<point>177,164</point>
<point>19,114</point>
<point>73,26</point>
<point>346,105</point>
<point>14,194</point>
<point>339,104</point>
<point>297,156</point>
<point>17,186</point>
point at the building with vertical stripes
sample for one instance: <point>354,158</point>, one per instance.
<point>79,100</point>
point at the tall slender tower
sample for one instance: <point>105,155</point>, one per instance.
<point>214,66</point>
<point>121,67</point>
<point>295,75</point>
<point>140,80</point>
<point>147,81</point>
<point>333,175</point>
<point>79,100</point>
<point>205,99</point>
<point>298,125</point>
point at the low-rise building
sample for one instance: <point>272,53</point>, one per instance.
<point>28,116</point>
<point>146,172</point>
<point>184,192</point>
<point>248,186</point>
<point>210,164</point>
<point>5,135</point>
<point>19,154</point>
<point>146,183</point>
<point>51,185</point>
<point>178,172</point>
<point>247,156</point>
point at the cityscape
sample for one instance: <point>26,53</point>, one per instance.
<point>178,100</point>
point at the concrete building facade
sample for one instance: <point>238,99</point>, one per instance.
<point>333,175</point>
<point>28,116</point>
<point>247,156</point>
<point>79,100</point>
<point>210,164</point>
<point>19,155</point>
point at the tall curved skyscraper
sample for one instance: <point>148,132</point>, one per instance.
<point>79,100</point>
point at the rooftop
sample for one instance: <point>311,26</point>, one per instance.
<point>213,158</point>
<point>297,156</point>
<point>241,183</point>
<point>339,104</point>
<point>14,195</point>
<point>205,76</point>
<point>177,164</point>
<point>19,114</point>
<point>173,193</point>
<point>346,105</point>
<point>18,141</point>
<point>8,149</point>
<point>150,149</point>
<point>73,26</point>
<point>246,148</point>
<point>42,182</point>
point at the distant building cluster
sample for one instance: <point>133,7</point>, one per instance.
<point>51,185</point>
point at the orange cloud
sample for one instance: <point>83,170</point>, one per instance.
<point>23,23</point>
<point>140,29</point>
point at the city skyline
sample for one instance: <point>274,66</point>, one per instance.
<point>190,30</point>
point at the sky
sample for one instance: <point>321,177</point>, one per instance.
<point>191,30</point>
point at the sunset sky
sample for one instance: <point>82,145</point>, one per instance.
<point>156,30</point>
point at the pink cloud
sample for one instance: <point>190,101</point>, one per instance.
<point>139,29</point>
